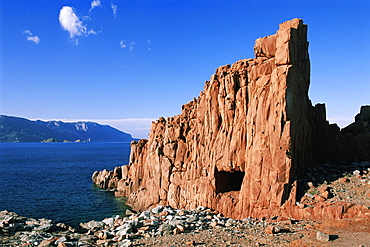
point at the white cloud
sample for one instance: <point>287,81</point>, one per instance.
<point>130,46</point>
<point>28,32</point>
<point>122,44</point>
<point>94,4</point>
<point>114,8</point>
<point>92,31</point>
<point>35,39</point>
<point>71,23</point>
<point>32,37</point>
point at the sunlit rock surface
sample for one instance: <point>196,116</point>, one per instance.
<point>239,147</point>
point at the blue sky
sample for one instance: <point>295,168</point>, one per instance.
<point>126,63</point>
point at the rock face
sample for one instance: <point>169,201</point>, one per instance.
<point>240,146</point>
<point>350,143</point>
<point>357,135</point>
<point>234,147</point>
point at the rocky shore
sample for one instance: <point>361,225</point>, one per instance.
<point>166,226</point>
<point>161,226</point>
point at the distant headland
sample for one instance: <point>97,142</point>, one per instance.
<point>16,129</point>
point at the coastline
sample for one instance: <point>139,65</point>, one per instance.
<point>166,226</point>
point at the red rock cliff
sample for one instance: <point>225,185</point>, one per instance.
<point>237,148</point>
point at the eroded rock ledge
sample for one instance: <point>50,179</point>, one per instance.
<point>240,147</point>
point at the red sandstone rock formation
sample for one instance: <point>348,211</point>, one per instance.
<point>240,146</point>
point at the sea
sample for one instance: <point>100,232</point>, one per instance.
<point>53,180</point>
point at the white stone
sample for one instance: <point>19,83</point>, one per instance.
<point>157,209</point>
<point>356,172</point>
<point>124,229</point>
<point>125,243</point>
<point>322,236</point>
<point>108,221</point>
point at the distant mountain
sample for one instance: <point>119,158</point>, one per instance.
<point>15,129</point>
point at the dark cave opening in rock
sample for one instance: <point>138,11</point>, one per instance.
<point>228,181</point>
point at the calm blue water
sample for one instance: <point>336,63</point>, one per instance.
<point>53,180</point>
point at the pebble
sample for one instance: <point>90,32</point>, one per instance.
<point>321,236</point>
<point>270,230</point>
<point>310,184</point>
<point>356,173</point>
<point>62,244</point>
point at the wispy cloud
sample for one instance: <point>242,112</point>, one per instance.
<point>91,31</point>
<point>32,37</point>
<point>149,44</point>
<point>130,45</point>
<point>28,32</point>
<point>122,44</point>
<point>94,4</point>
<point>114,9</point>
